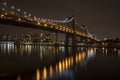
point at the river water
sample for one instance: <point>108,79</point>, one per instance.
<point>38,62</point>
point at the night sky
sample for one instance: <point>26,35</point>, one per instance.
<point>101,16</point>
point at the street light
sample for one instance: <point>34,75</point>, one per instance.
<point>2,16</point>
<point>5,4</point>
<point>18,10</point>
<point>38,23</point>
<point>25,13</point>
<point>12,7</point>
<point>3,9</point>
<point>29,15</point>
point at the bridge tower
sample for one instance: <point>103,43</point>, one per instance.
<point>70,39</point>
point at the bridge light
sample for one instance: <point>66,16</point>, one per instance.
<point>51,26</point>
<point>60,28</point>
<point>12,7</point>
<point>19,19</point>
<point>81,27</point>
<point>12,12</point>
<point>70,31</point>
<point>57,27</point>
<point>25,13</point>
<point>5,4</point>
<point>3,9</point>
<point>6,13</point>
<point>44,21</point>
<point>66,29</point>
<point>35,18</point>
<point>2,16</point>
<point>38,18</point>
<point>45,25</point>
<point>63,29</point>
<point>29,14</point>
<point>18,10</point>
<point>38,23</point>
<point>25,16</point>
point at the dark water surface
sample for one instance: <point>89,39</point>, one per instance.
<point>37,62</point>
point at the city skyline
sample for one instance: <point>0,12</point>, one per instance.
<point>101,17</point>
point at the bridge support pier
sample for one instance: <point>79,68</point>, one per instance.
<point>70,40</point>
<point>56,39</point>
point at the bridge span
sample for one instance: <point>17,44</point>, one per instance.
<point>11,16</point>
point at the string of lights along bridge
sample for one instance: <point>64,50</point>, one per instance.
<point>12,14</point>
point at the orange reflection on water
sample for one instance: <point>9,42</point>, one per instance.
<point>56,67</point>
<point>18,77</point>
<point>44,73</point>
<point>90,52</point>
<point>79,57</point>
<point>66,63</point>
<point>83,56</point>
<point>69,62</point>
<point>51,71</point>
<point>60,67</point>
<point>119,52</point>
<point>76,59</point>
<point>71,59</point>
<point>37,74</point>
<point>63,65</point>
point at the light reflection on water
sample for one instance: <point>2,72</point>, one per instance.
<point>18,77</point>
<point>37,74</point>
<point>119,52</point>
<point>45,62</point>
<point>63,65</point>
<point>7,47</point>
<point>108,51</point>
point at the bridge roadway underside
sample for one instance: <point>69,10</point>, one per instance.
<point>30,25</point>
